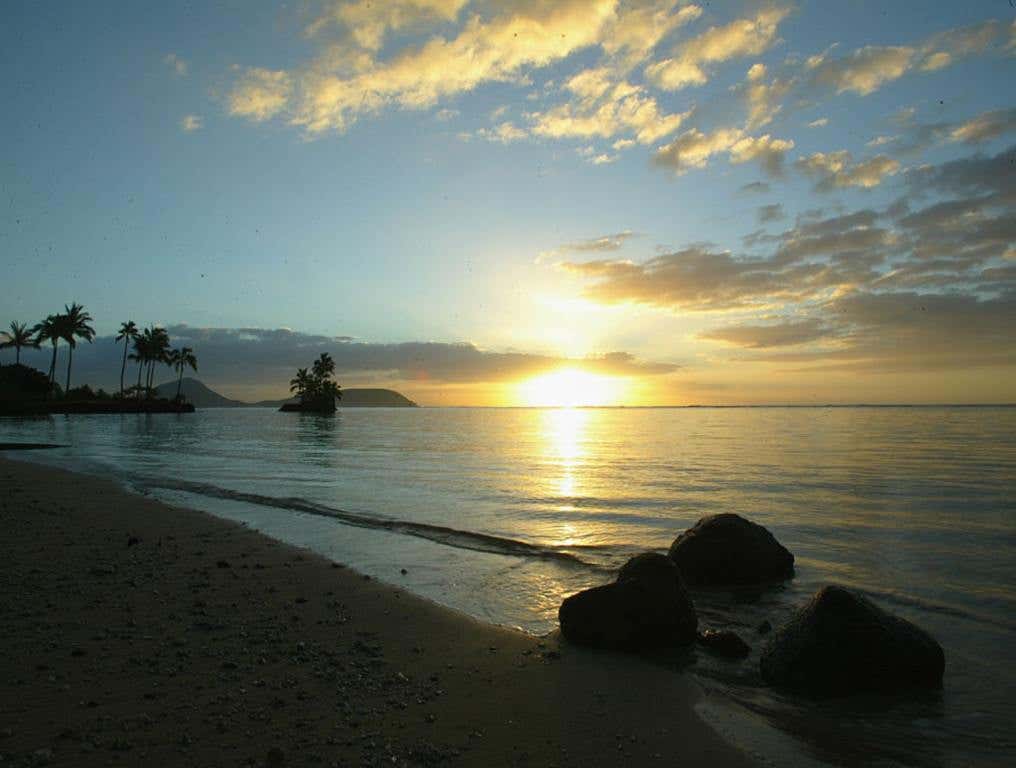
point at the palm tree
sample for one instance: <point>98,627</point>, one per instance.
<point>159,352</point>
<point>74,325</point>
<point>180,359</point>
<point>142,345</point>
<point>49,330</point>
<point>128,332</point>
<point>20,335</point>
<point>301,384</point>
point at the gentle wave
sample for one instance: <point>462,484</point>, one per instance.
<point>452,537</point>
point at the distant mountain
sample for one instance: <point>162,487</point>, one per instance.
<point>203,397</point>
<point>197,394</point>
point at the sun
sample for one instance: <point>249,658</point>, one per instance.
<point>571,388</point>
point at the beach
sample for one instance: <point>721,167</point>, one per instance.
<point>137,632</point>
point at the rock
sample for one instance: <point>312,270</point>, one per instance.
<point>841,642</point>
<point>764,627</point>
<point>727,549</point>
<point>724,643</point>
<point>648,606</point>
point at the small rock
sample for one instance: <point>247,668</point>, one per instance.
<point>724,643</point>
<point>764,627</point>
<point>404,571</point>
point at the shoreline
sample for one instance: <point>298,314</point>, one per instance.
<point>137,630</point>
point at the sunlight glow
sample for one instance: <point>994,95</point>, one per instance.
<point>571,388</point>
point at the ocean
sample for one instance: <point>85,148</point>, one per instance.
<point>500,513</point>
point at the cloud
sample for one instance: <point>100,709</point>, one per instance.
<point>864,70</point>
<point>178,65</point>
<point>767,213</point>
<point>368,22</point>
<point>260,94</point>
<point>190,123</point>
<point>689,62</point>
<point>986,126</point>
<point>694,149</point>
<point>639,27</point>
<point>602,244</point>
<point>754,187</point>
<point>602,106</point>
<point>764,99</point>
<point>779,334</point>
<point>837,169</point>
<point>348,80</point>
<point>822,122</point>
<point>444,115</point>
<point>769,152</point>
<point>504,133</point>
<point>262,360</point>
<point>867,69</point>
<point>911,287</point>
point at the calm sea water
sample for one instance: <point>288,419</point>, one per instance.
<point>501,513</point>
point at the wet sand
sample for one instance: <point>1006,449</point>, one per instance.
<point>134,632</point>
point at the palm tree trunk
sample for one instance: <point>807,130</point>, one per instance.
<point>179,383</point>
<point>17,354</point>
<point>70,357</point>
<point>52,366</point>
<point>123,368</point>
<point>141,367</point>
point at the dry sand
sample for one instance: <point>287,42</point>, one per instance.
<point>135,633</point>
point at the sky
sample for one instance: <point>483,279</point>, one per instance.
<point>524,202</point>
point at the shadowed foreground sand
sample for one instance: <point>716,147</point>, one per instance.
<point>137,633</point>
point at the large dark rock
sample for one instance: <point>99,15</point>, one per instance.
<point>727,549</point>
<point>648,606</point>
<point>841,642</point>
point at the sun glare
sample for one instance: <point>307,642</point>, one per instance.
<point>571,388</point>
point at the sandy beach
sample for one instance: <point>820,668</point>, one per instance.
<point>134,632</point>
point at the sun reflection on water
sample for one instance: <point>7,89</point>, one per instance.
<point>563,433</point>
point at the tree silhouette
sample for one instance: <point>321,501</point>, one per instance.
<point>49,330</point>
<point>74,325</point>
<point>20,335</point>
<point>127,333</point>
<point>180,359</point>
<point>316,390</point>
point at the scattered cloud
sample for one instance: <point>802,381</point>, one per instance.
<point>688,64</point>
<point>769,152</point>
<point>865,70</point>
<point>754,188</point>
<point>775,334</point>
<point>350,78</point>
<point>504,133</point>
<point>601,106</point>
<point>189,123</point>
<point>444,115</point>
<point>693,149</point>
<point>910,287</point>
<point>822,122</point>
<point>260,94</point>
<point>176,64</point>
<point>767,213</point>
<point>837,169</point>
<point>986,126</point>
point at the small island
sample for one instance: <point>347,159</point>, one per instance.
<point>316,391</point>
